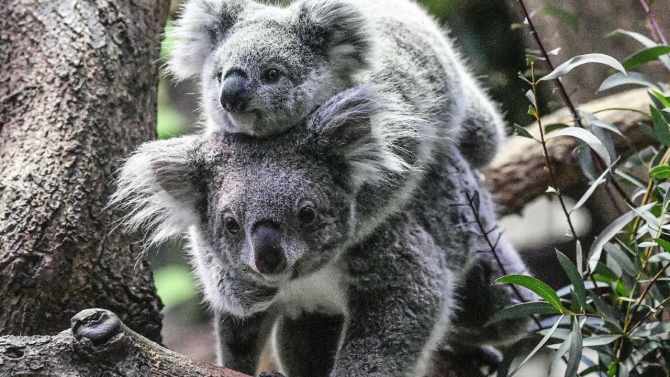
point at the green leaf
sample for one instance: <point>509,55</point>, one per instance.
<point>562,349</point>
<point>599,340</point>
<point>575,355</point>
<point>575,278</point>
<point>631,78</point>
<point>662,99</point>
<point>538,347</point>
<point>645,41</point>
<point>535,285</point>
<point>522,131</point>
<point>586,137</point>
<point>661,126</point>
<point>561,15</point>
<point>611,230</point>
<point>665,245</point>
<point>524,309</point>
<point>532,111</point>
<point>645,56</point>
<point>660,172</point>
<point>621,258</point>
<point>590,191</point>
<point>554,126</point>
<point>566,67</point>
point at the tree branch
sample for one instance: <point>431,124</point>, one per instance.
<point>98,344</point>
<point>518,175</point>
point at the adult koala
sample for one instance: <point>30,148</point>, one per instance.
<point>263,69</point>
<point>301,236</point>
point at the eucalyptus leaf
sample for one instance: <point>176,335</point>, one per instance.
<point>575,355</point>
<point>537,348</point>
<point>645,41</point>
<point>575,277</point>
<point>590,191</point>
<point>576,61</point>
<point>645,56</point>
<point>586,137</point>
<point>611,230</point>
<point>535,285</point>
<point>631,78</point>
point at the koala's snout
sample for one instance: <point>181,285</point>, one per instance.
<point>234,93</point>
<point>269,256</point>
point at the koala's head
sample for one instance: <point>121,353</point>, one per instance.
<point>263,69</point>
<point>269,209</point>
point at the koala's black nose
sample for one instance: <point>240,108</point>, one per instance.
<point>234,94</point>
<point>268,254</point>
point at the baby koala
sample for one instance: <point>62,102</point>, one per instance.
<point>264,69</point>
<point>300,238</point>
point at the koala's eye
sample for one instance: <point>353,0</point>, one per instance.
<point>231,224</point>
<point>219,75</point>
<point>271,75</point>
<point>306,214</point>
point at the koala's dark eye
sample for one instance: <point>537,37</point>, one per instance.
<point>219,75</point>
<point>306,214</point>
<point>231,224</point>
<point>271,75</point>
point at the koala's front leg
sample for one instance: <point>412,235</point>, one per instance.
<point>241,340</point>
<point>397,313</point>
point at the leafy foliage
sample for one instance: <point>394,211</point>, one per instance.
<point>618,301</point>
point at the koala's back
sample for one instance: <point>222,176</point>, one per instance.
<point>413,58</point>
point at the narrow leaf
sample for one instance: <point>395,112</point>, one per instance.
<point>599,340</point>
<point>531,97</point>
<point>575,278</point>
<point>562,349</point>
<point>645,41</point>
<point>538,347</point>
<point>660,125</point>
<point>631,78</point>
<point>522,132</point>
<point>553,127</point>
<point>665,245</point>
<point>566,67</point>
<point>579,256</point>
<point>645,56</point>
<point>535,285</point>
<point>524,309</point>
<point>586,137</point>
<point>611,231</point>
<point>575,355</point>
<point>590,191</point>
<point>660,172</point>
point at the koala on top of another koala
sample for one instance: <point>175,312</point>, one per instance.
<point>275,231</point>
<point>264,69</point>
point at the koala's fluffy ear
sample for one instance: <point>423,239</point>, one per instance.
<point>338,29</point>
<point>371,130</point>
<point>197,32</point>
<point>156,186</point>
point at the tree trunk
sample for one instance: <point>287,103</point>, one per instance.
<point>78,83</point>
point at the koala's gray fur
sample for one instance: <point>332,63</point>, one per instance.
<point>372,285</point>
<point>321,47</point>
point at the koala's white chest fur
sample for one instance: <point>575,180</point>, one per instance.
<point>323,292</point>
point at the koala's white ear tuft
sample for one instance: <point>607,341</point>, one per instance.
<point>371,129</point>
<point>197,32</point>
<point>337,28</point>
<point>156,187</point>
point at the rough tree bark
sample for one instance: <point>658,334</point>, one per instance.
<point>78,83</point>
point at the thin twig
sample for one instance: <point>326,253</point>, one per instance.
<point>652,21</point>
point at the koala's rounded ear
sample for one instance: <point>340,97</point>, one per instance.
<point>368,128</point>
<point>158,186</point>
<point>338,29</point>
<point>196,33</point>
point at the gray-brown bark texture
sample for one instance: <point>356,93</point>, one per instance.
<point>78,83</point>
<point>98,344</point>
